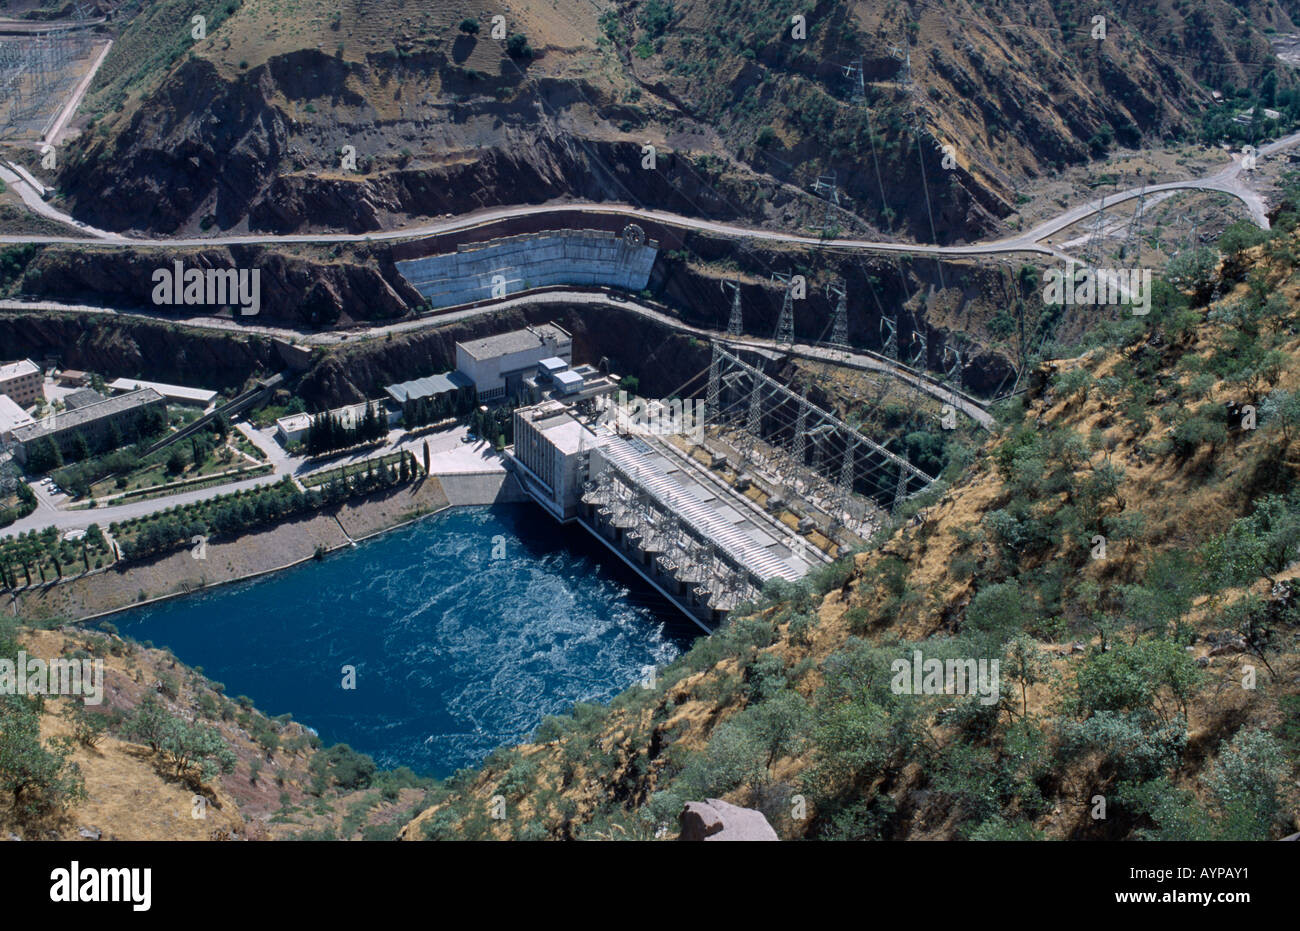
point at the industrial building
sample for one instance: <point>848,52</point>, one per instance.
<point>11,417</point>
<point>431,386</point>
<point>92,422</point>
<point>21,382</point>
<point>554,378</point>
<point>180,394</point>
<point>534,363</point>
<point>82,397</point>
<point>73,378</point>
<point>497,365</point>
<point>702,545</point>
<point>294,427</point>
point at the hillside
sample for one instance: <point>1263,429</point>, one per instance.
<point>168,756</point>
<point>246,127</point>
<point>1149,662</point>
<point>1125,546</point>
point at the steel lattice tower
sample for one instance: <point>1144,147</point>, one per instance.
<point>735,324</point>
<point>840,322</point>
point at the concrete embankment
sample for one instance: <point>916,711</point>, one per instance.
<point>264,551</point>
<point>478,488</point>
<point>269,550</point>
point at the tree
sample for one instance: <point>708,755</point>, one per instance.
<point>43,456</point>
<point>80,448</point>
<point>1281,410</point>
<point>39,776</point>
<point>1244,780</point>
<point>149,724</point>
<point>195,746</point>
<point>426,457</point>
<point>999,610</point>
<point>469,26</point>
<point>517,46</point>
<point>1025,663</point>
<point>176,462</point>
<point>1193,270</point>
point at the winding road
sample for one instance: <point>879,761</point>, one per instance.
<point>1228,180</point>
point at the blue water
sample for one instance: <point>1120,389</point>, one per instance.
<point>456,652</point>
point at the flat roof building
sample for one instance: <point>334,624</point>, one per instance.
<point>498,364</point>
<point>21,382</point>
<point>549,444</point>
<point>82,397</point>
<point>93,422</point>
<point>294,427</point>
<point>567,382</point>
<point>11,417</point>
<point>178,393</point>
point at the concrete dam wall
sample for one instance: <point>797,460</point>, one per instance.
<point>533,260</point>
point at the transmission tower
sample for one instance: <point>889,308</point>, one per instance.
<point>920,359</point>
<point>755,403</point>
<point>735,325</point>
<point>857,81</point>
<point>954,370</point>
<point>801,430</point>
<point>827,188</point>
<point>1135,226</point>
<point>900,491</point>
<point>840,322</point>
<point>890,343</point>
<point>711,401</point>
<point>846,467</point>
<point>903,56</point>
<point>785,323</point>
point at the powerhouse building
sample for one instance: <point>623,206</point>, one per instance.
<point>703,546</point>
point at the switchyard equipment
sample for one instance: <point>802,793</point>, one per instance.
<point>844,458</point>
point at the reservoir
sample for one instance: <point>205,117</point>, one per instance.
<point>465,628</point>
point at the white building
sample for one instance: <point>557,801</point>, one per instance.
<point>178,393</point>
<point>11,416</point>
<point>21,382</point>
<point>498,364</point>
<point>549,453</point>
<point>294,427</point>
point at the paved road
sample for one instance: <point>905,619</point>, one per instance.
<point>1227,180</point>
<point>73,520</point>
<point>593,299</point>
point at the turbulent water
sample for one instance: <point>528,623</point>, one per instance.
<point>464,628</point>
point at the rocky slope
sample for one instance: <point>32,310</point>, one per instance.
<point>246,128</point>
